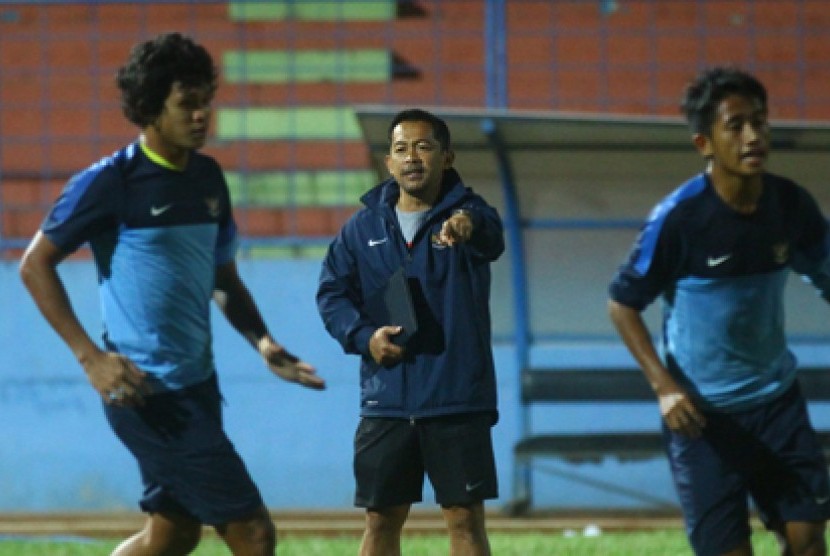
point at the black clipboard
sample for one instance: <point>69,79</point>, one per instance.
<point>391,305</point>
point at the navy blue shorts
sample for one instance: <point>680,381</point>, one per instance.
<point>187,463</point>
<point>455,452</point>
<point>770,454</point>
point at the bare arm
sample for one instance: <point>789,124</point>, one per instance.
<point>678,411</point>
<point>236,303</point>
<point>115,377</point>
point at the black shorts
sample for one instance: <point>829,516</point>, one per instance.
<point>770,453</point>
<point>187,463</point>
<point>455,452</point>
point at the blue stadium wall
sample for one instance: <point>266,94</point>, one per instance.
<point>58,454</point>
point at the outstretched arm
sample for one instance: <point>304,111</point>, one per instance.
<point>236,303</point>
<point>678,411</point>
<point>115,377</point>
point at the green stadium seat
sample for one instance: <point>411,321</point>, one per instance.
<point>303,123</point>
<point>307,66</point>
<point>317,252</point>
<point>299,188</point>
<point>277,10</point>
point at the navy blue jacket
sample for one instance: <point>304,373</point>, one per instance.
<point>449,364</point>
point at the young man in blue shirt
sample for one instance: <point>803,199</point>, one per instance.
<point>426,406</point>
<point>718,250</point>
<point>157,217</point>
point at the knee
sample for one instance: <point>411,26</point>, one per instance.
<point>464,520</point>
<point>258,531</point>
<point>385,522</point>
<point>186,540</point>
<point>255,534</point>
<point>181,538</point>
<point>263,532</point>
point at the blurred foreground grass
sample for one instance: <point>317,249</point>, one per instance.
<point>640,543</point>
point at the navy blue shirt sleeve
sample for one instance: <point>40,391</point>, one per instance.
<point>88,206</point>
<point>658,253</point>
<point>647,272</point>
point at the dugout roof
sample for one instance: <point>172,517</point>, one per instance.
<point>531,133</point>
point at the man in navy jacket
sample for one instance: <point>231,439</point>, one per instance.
<point>428,405</point>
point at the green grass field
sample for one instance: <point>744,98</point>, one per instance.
<point>656,543</point>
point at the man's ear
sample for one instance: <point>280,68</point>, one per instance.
<point>703,145</point>
<point>449,158</point>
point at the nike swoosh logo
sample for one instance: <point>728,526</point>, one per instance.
<point>373,242</point>
<point>822,500</point>
<point>156,211</point>
<point>715,261</point>
<point>473,486</point>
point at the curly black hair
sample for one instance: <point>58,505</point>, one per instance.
<point>153,66</point>
<point>710,87</point>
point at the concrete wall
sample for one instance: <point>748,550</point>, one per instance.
<point>58,454</point>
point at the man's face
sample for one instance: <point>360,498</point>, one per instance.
<point>739,144</point>
<point>416,159</point>
<point>184,119</point>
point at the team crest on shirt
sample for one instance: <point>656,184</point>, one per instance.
<point>780,252</point>
<point>214,206</point>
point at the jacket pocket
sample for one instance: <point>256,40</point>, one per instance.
<point>381,388</point>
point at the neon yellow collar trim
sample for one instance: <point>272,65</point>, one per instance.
<point>157,158</point>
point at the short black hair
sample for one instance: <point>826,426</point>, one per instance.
<point>439,126</point>
<point>710,87</point>
<point>153,66</point>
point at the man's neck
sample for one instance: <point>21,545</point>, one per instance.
<point>410,203</point>
<point>741,193</point>
<point>404,205</point>
<point>173,157</point>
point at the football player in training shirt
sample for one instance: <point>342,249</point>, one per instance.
<point>719,250</point>
<point>157,217</point>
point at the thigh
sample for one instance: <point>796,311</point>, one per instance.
<point>388,466</point>
<point>187,462</point>
<point>789,481</point>
<point>712,492</point>
<point>458,454</point>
